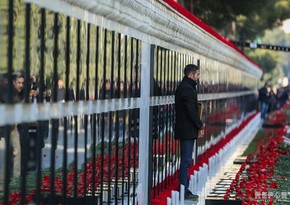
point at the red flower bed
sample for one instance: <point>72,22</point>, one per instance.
<point>84,182</point>
<point>256,178</point>
<point>259,171</point>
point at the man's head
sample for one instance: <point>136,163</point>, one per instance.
<point>192,71</point>
<point>18,81</point>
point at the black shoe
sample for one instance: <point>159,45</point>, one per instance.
<point>190,196</point>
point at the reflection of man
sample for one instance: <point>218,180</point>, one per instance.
<point>18,84</point>
<point>187,123</point>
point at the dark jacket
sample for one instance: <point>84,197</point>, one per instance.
<point>264,96</point>
<point>186,108</point>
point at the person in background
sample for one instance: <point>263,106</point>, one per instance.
<point>18,84</point>
<point>33,83</point>
<point>264,97</point>
<point>272,100</point>
<point>46,96</point>
<point>82,95</point>
<point>187,123</point>
<point>71,92</point>
<point>45,123</point>
<point>282,97</point>
<point>60,91</point>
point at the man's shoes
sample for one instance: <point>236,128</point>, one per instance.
<point>190,196</point>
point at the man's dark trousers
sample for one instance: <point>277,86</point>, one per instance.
<point>186,148</point>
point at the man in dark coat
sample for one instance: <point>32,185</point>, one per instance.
<point>264,97</point>
<point>187,122</point>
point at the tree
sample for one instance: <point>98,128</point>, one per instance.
<point>251,18</point>
<point>275,64</point>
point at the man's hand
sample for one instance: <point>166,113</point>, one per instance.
<point>201,131</point>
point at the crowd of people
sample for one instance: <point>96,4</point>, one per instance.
<point>22,90</point>
<point>272,99</point>
<point>28,91</point>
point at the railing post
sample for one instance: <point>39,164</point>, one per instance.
<point>145,147</point>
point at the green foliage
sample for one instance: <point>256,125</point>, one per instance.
<point>266,59</point>
<point>252,18</point>
<point>254,143</point>
<point>271,64</point>
<point>275,64</point>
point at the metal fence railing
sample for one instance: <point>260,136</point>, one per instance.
<point>219,114</point>
<point>87,111</point>
<point>71,158</point>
